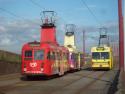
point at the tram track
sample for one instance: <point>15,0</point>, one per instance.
<point>21,83</point>
<point>106,77</point>
<point>78,79</point>
<point>71,83</point>
<point>91,83</point>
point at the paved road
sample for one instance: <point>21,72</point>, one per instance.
<point>85,81</point>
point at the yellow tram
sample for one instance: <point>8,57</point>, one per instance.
<point>102,57</point>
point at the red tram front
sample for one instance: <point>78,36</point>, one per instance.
<point>44,59</point>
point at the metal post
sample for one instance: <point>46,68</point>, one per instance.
<point>124,33</point>
<point>121,36</point>
<point>84,46</point>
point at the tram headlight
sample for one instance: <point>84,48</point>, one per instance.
<point>41,69</point>
<point>25,67</point>
<point>72,66</point>
<point>42,66</point>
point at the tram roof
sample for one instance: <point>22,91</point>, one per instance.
<point>100,49</point>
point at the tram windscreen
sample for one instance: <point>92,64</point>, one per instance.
<point>96,55</point>
<point>104,55</point>
<point>100,55</point>
<point>39,55</point>
<point>28,53</point>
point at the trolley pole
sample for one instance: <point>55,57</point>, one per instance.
<point>121,36</point>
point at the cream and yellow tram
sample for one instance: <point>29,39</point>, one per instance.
<point>102,57</point>
<point>75,56</point>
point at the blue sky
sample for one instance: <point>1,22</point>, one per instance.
<point>72,11</point>
<point>17,31</point>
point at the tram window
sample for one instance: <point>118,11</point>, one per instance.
<point>58,56</point>
<point>53,55</point>
<point>104,55</point>
<point>72,56</point>
<point>28,53</point>
<point>96,55</point>
<point>67,56</point>
<point>48,55</point>
<point>63,56</point>
<point>39,55</point>
<point>81,55</point>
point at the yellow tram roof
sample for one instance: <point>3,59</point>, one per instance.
<point>101,49</point>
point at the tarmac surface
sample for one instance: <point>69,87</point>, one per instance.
<point>85,81</point>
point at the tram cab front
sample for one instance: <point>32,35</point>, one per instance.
<point>101,58</point>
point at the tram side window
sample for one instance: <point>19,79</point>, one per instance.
<point>48,55</point>
<point>28,53</point>
<point>63,56</point>
<point>67,56</point>
<point>58,56</point>
<point>55,55</point>
<point>76,57</point>
<point>81,56</point>
<point>72,56</point>
<point>51,56</point>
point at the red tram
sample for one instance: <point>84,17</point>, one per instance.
<point>46,57</point>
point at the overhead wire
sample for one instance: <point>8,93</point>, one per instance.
<point>17,16</point>
<point>83,2</point>
<point>41,7</point>
<point>96,19</point>
<point>2,9</point>
<point>36,4</point>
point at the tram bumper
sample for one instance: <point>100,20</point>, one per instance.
<point>101,66</point>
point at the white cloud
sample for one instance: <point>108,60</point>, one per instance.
<point>5,42</point>
<point>16,33</point>
<point>92,35</point>
<point>110,24</point>
<point>2,29</point>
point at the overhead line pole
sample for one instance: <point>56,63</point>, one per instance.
<point>121,36</point>
<point>84,46</point>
